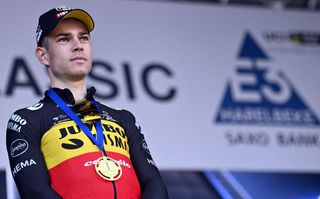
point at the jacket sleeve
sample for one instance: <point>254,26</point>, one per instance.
<point>26,161</point>
<point>148,174</point>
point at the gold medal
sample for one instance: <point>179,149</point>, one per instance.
<point>108,168</point>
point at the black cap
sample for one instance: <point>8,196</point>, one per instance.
<point>50,19</point>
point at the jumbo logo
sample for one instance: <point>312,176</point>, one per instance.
<point>114,135</point>
<point>73,143</point>
<point>18,147</point>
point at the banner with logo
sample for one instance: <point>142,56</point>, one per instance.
<point>212,87</point>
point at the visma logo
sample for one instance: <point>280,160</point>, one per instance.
<point>257,94</point>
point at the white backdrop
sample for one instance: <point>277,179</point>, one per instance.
<point>270,58</point>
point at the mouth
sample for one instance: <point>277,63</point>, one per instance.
<point>78,58</point>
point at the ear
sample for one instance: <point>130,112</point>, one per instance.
<point>43,56</point>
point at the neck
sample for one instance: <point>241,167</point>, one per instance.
<point>78,89</point>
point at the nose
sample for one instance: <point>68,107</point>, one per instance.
<point>77,45</point>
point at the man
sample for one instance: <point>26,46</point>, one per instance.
<point>68,145</point>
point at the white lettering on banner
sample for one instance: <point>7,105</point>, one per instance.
<point>282,83</point>
<point>241,95</point>
<point>266,91</point>
<point>259,115</point>
<point>22,165</point>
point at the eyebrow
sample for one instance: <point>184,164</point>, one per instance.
<point>67,34</point>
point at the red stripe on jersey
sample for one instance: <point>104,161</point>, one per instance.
<point>77,178</point>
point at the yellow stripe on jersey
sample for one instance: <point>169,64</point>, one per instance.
<point>66,140</point>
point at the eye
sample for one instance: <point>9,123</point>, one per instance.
<point>85,38</point>
<point>63,39</point>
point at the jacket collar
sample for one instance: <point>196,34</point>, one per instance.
<point>66,94</point>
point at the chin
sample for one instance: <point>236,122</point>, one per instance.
<point>79,75</point>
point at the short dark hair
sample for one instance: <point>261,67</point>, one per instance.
<point>45,42</point>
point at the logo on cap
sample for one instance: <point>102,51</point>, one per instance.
<point>62,8</point>
<point>61,14</point>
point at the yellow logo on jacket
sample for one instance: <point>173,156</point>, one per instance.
<point>66,140</point>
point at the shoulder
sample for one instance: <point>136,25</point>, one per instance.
<point>29,111</point>
<point>124,115</point>
<point>28,115</point>
<point>21,120</point>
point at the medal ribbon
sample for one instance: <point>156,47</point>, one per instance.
<point>99,138</point>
